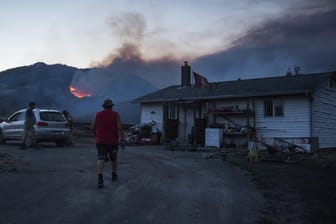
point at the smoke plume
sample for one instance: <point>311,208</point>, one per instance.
<point>304,38</point>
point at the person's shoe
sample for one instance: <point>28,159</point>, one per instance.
<point>114,176</point>
<point>100,183</point>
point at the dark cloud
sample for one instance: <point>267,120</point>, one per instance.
<point>304,36</point>
<point>299,38</point>
<point>128,59</point>
<point>130,26</point>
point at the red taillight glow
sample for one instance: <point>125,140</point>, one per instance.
<point>41,124</point>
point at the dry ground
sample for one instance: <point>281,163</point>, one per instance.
<point>303,192</point>
<point>7,163</point>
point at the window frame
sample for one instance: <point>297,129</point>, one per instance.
<point>172,111</point>
<point>273,107</point>
<point>52,116</point>
<point>19,116</point>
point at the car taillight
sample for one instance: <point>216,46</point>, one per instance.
<point>41,124</point>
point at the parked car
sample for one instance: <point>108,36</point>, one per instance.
<point>50,126</point>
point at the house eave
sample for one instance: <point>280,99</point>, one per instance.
<point>224,97</point>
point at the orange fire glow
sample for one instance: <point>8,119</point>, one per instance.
<point>78,93</point>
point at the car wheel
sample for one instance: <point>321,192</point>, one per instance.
<point>2,140</point>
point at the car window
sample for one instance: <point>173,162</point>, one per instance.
<point>17,117</point>
<point>52,116</point>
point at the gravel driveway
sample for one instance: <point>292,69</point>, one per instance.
<point>58,185</point>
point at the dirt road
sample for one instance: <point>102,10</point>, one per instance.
<point>58,185</point>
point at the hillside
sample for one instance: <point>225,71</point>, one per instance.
<point>49,86</point>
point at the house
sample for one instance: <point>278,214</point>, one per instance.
<point>300,107</point>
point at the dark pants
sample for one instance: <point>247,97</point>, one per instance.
<point>107,150</point>
<point>29,137</point>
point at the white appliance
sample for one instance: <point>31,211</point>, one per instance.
<point>213,137</point>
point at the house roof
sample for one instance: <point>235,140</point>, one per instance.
<point>270,86</point>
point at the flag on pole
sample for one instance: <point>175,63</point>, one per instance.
<point>200,81</point>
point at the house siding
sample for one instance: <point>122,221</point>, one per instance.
<point>323,115</point>
<point>295,121</point>
<point>304,116</point>
<point>147,116</point>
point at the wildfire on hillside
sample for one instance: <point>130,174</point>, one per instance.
<point>79,93</point>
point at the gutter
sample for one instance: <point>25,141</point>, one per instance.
<point>217,97</point>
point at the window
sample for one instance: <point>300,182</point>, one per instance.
<point>278,108</point>
<point>17,117</point>
<point>268,108</point>
<point>172,111</point>
<point>273,108</point>
<point>52,116</point>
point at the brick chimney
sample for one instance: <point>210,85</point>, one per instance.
<point>185,75</point>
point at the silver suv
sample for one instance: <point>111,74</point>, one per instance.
<point>50,126</point>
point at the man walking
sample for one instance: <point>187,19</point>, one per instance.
<point>108,130</point>
<point>69,119</point>
<point>29,138</point>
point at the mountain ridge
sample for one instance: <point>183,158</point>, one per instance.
<point>49,87</point>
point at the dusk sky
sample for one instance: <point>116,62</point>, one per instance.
<point>240,34</point>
